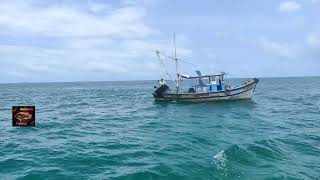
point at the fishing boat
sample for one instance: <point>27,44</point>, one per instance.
<point>210,87</point>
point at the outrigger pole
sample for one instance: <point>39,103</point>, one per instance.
<point>176,60</point>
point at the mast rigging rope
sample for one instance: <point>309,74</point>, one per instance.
<point>163,66</point>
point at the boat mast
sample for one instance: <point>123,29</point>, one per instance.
<point>176,60</point>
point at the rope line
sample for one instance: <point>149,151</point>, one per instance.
<point>180,60</point>
<point>163,66</point>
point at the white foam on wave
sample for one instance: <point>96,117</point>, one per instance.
<point>219,156</point>
<point>219,159</point>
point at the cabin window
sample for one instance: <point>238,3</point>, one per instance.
<point>219,87</point>
<point>212,80</point>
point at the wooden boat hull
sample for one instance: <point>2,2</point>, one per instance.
<point>243,92</point>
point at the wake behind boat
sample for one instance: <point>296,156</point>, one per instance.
<point>210,87</point>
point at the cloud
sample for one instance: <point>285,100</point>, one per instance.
<point>313,40</point>
<point>106,67</point>
<point>73,42</point>
<point>212,55</point>
<point>25,17</point>
<point>277,48</point>
<point>289,6</point>
<point>99,7</point>
<point>17,74</point>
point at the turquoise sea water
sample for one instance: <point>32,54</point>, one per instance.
<point>114,130</point>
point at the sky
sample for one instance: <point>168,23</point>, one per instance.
<point>103,40</point>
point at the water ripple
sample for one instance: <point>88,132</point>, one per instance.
<point>114,130</point>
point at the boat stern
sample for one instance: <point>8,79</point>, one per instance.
<point>158,93</point>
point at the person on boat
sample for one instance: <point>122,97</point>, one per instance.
<point>213,81</point>
<point>162,82</point>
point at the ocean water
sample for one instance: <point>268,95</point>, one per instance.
<point>115,130</point>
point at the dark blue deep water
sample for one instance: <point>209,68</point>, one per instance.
<point>114,130</point>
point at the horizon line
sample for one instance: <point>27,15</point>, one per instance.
<point>85,81</point>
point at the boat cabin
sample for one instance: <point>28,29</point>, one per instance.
<point>207,83</point>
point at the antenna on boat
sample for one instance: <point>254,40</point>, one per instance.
<point>176,60</point>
